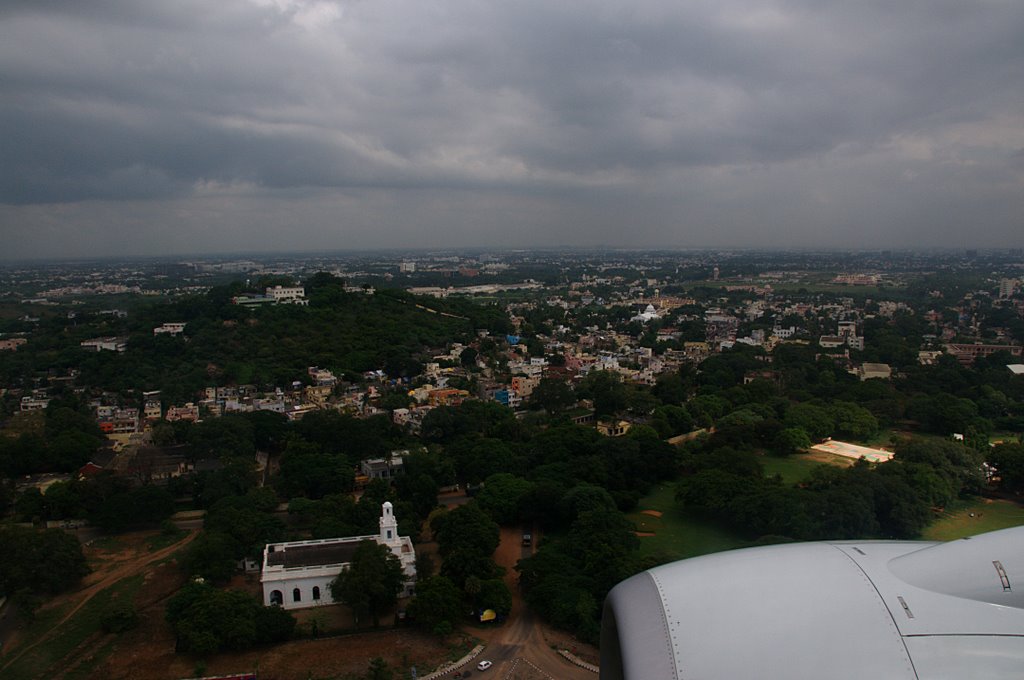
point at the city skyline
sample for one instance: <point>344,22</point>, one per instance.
<point>280,125</point>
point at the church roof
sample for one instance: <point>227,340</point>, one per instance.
<point>318,555</point>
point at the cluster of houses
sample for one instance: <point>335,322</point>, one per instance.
<point>509,375</point>
<point>512,378</point>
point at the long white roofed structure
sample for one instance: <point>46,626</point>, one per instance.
<point>297,574</point>
<point>839,610</point>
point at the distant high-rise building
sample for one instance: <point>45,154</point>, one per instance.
<point>1007,287</point>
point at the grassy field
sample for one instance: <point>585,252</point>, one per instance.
<point>677,535</point>
<point>883,438</point>
<point>793,469</point>
<point>987,516</point>
<point>80,628</point>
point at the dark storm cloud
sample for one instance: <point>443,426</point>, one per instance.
<point>683,118</point>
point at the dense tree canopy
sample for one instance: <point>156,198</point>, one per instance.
<point>467,538</point>
<point>207,620</point>
<point>371,583</point>
<point>437,606</point>
<point>44,562</point>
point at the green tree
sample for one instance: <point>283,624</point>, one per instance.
<point>437,605</point>
<point>503,495</point>
<point>211,555</point>
<point>814,420</point>
<point>307,471</point>
<point>791,440</point>
<point>671,389</point>
<point>1008,460</point>
<point>247,520</point>
<point>468,357</point>
<point>494,594</point>
<point>372,581</point>
<point>44,562</point>
<point>207,620</point>
<point>467,538</point>
<point>583,498</point>
<point>852,420</point>
<point>603,543</point>
<point>607,391</point>
<point>379,670</point>
<point>146,505</point>
<point>671,420</point>
<point>552,395</point>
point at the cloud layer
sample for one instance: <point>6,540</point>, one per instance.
<point>267,124</point>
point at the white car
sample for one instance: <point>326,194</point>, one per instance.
<point>483,665</point>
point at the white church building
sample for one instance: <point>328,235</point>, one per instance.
<point>649,314</point>
<point>296,574</point>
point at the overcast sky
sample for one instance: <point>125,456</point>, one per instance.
<point>191,126</point>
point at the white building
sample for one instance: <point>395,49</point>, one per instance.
<point>384,468</point>
<point>152,410</point>
<point>33,404</point>
<point>170,328</point>
<point>109,344</point>
<point>297,574</point>
<point>649,314</point>
<point>288,295</point>
<point>867,371</point>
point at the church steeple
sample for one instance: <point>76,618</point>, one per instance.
<point>388,525</point>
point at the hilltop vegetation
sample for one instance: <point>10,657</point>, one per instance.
<point>228,344</point>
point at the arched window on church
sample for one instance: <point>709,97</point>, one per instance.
<point>296,595</point>
<point>316,592</point>
<point>276,597</point>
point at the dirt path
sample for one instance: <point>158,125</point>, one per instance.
<point>522,647</point>
<point>96,582</point>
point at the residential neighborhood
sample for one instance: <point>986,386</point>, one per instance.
<point>306,427</point>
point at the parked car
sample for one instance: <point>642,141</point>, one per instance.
<point>483,665</point>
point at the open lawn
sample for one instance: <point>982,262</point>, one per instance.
<point>677,535</point>
<point>793,469</point>
<point>988,515</point>
<point>885,437</point>
<point>888,437</point>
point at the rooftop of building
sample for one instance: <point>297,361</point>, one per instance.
<point>313,554</point>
